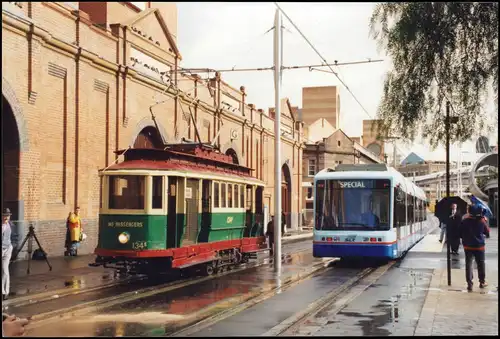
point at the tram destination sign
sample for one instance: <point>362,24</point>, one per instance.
<point>125,224</point>
<point>362,183</point>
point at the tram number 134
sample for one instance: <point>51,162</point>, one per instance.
<point>139,245</point>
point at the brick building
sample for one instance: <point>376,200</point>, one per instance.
<point>80,80</point>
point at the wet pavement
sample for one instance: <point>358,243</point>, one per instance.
<point>267,314</point>
<point>70,274</point>
<point>410,298</point>
<point>141,315</point>
<point>413,298</point>
<point>391,306</point>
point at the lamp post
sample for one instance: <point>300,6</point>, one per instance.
<point>448,121</point>
<point>277,141</point>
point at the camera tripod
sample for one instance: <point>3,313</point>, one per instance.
<point>31,234</point>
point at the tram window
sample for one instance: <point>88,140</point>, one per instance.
<point>216,195</point>
<point>236,196</point>
<point>223,194</point>
<point>229,195</point>
<point>126,192</point>
<point>157,192</point>
<point>399,207</point>
<point>320,191</point>
<point>242,196</point>
<point>249,198</point>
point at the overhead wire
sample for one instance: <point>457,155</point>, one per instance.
<point>254,45</point>
<point>323,60</point>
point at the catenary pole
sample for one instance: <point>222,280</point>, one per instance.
<point>277,142</point>
<point>447,129</point>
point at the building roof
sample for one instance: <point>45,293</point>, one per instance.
<point>412,158</point>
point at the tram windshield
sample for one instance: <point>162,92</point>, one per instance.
<point>126,192</point>
<point>353,204</point>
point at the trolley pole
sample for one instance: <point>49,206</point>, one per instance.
<point>277,142</point>
<point>447,131</point>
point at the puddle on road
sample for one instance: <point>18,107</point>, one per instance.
<point>387,313</point>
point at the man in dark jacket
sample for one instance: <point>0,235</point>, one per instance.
<point>453,225</point>
<point>472,231</point>
<point>270,234</point>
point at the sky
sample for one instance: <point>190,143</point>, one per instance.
<point>233,34</point>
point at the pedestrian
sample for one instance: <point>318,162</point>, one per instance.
<point>6,252</point>
<point>13,326</point>
<point>472,231</point>
<point>270,234</point>
<point>74,223</point>
<point>442,226</point>
<point>453,224</point>
<point>283,223</point>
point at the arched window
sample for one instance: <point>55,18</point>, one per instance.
<point>149,137</point>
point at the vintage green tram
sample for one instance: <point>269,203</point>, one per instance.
<point>183,207</point>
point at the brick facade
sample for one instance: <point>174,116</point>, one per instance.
<point>78,90</point>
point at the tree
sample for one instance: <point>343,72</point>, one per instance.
<point>440,51</point>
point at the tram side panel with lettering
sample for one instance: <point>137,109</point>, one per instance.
<point>186,207</point>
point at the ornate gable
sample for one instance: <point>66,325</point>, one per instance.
<point>150,25</point>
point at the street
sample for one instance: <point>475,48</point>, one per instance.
<point>331,299</point>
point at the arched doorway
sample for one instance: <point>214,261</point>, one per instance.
<point>10,160</point>
<point>149,137</point>
<point>286,194</point>
<point>233,155</point>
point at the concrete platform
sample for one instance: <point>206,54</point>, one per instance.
<point>452,310</point>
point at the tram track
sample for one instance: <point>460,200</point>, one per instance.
<point>33,299</point>
<point>195,324</point>
<point>215,313</point>
<point>84,305</point>
<point>314,316</point>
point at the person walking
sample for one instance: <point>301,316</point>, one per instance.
<point>283,223</point>
<point>6,252</point>
<point>270,234</point>
<point>75,231</point>
<point>453,224</point>
<point>442,226</point>
<point>472,231</point>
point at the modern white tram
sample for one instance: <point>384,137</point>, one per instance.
<point>367,211</point>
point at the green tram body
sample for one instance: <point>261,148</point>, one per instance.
<point>152,209</point>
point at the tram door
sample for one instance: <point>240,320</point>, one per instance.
<point>206,215</point>
<point>191,232</point>
<point>172,212</point>
<point>259,208</point>
<point>248,209</point>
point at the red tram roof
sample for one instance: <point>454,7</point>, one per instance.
<point>187,158</point>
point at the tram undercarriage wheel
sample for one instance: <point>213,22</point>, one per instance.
<point>208,269</point>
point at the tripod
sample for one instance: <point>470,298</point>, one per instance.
<point>31,234</point>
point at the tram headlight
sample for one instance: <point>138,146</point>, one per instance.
<point>123,238</point>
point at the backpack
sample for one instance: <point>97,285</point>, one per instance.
<point>39,254</point>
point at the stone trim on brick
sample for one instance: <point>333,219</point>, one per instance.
<point>147,122</point>
<point>9,95</point>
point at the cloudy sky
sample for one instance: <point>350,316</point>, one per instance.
<point>227,35</point>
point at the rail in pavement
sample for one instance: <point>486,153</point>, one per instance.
<point>71,274</point>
